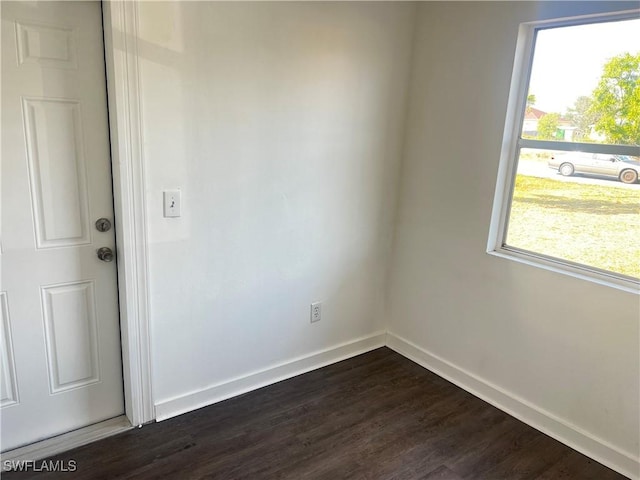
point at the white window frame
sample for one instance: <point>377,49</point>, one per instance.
<point>512,144</point>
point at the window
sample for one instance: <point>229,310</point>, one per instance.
<point>568,194</point>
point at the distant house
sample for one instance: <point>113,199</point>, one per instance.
<point>531,118</point>
<point>530,125</point>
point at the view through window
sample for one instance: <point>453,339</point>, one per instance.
<point>576,195</point>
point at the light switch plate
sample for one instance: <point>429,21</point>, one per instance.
<point>171,199</point>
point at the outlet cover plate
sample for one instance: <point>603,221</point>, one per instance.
<point>316,312</point>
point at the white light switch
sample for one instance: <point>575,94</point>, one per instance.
<point>171,203</point>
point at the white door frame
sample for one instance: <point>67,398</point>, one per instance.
<point>120,23</point>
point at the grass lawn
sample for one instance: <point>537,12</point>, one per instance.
<point>590,224</point>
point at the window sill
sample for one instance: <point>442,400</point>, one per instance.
<point>619,282</point>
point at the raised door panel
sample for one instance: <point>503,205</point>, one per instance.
<point>70,330</point>
<point>7,367</point>
<point>46,45</point>
<point>57,172</point>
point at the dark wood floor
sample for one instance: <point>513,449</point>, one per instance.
<point>375,416</point>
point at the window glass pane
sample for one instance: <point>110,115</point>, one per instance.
<point>585,84</point>
<point>573,206</point>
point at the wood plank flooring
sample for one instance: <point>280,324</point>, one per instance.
<point>375,416</point>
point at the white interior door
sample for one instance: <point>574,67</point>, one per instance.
<point>61,361</point>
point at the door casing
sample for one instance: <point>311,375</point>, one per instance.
<point>120,24</point>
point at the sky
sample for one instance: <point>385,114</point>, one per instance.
<point>568,61</point>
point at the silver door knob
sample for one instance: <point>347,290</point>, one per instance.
<point>103,225</point>
<point>105,254</point>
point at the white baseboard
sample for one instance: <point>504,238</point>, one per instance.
<point>571,435</point>
<point>62,443</point>
<point>237,386</point>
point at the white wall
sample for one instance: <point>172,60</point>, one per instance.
<point>284,126</point>
<point>561,345</point>
<point>282,123</point>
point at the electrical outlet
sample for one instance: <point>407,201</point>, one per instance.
<point>316,312</point>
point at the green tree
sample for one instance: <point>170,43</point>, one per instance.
<point>616,100</point>
<point>548,125</point>
<point>582,117</point>
<point>531,101</point>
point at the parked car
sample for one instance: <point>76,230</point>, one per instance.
<point>624,168</point>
